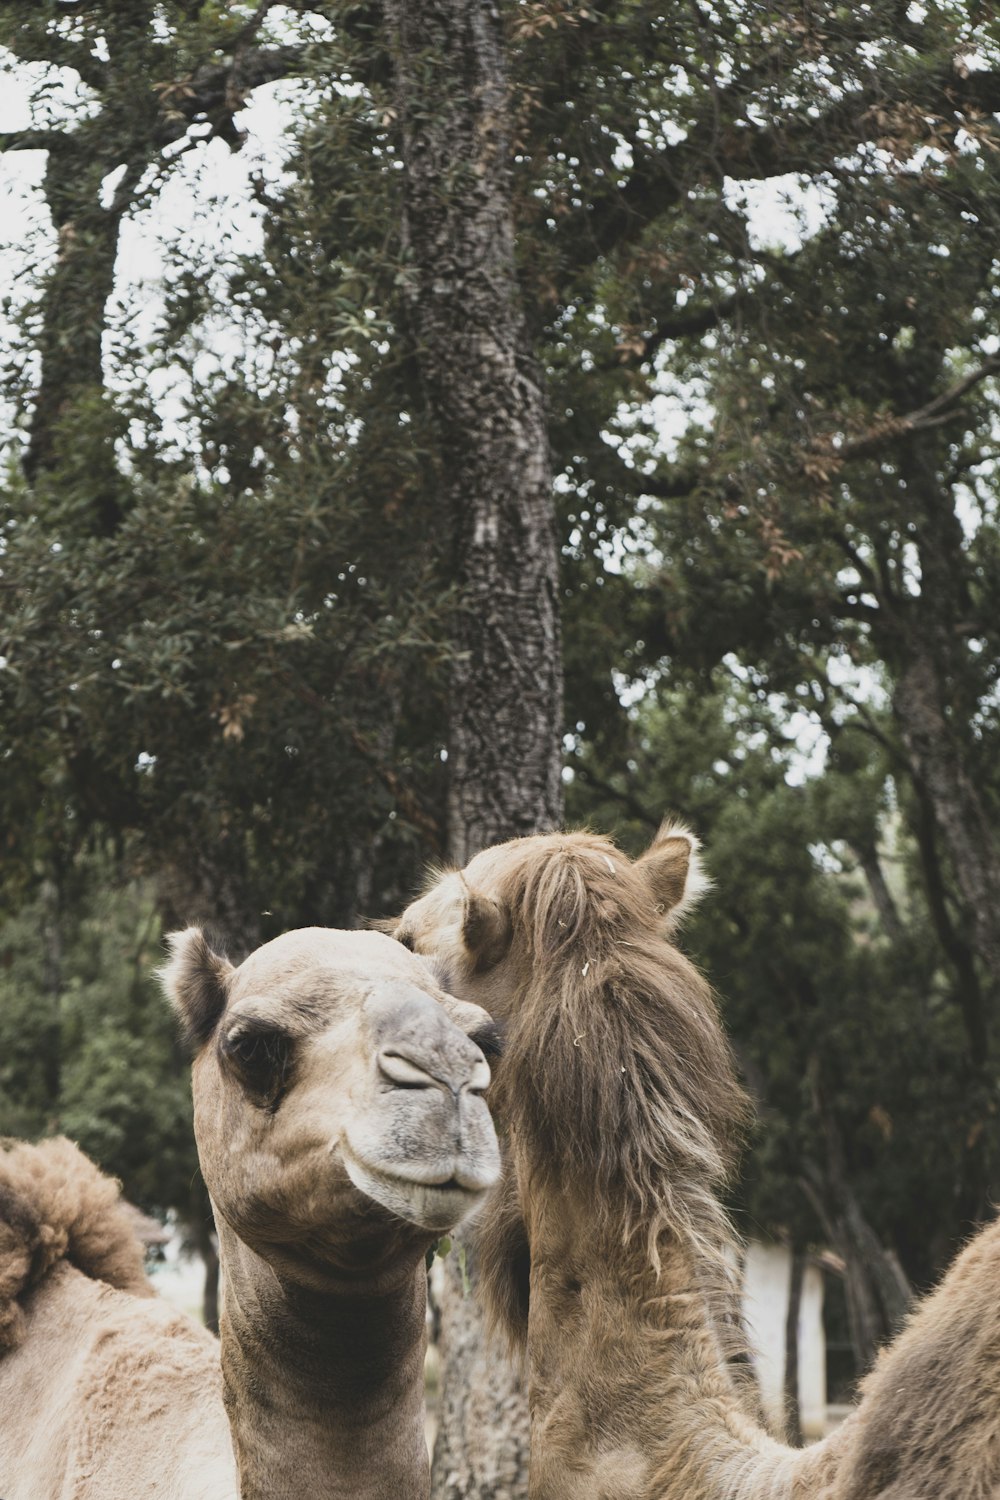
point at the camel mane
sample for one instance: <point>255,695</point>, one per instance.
<point>616,1082</point>
<point>55,1205</point>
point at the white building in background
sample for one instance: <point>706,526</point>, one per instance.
<point>767,1279</point>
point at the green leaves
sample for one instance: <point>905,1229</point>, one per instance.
<point>89,1047</point>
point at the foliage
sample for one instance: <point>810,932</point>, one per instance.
<point>89,1047</point>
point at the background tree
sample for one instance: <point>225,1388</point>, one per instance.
<point>505,702</point>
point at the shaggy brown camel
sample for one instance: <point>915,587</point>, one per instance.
<point>341,1127</point>
<point>604,1252</point>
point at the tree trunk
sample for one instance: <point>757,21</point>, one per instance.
<point>52,983</point>
<point>482,1441</point>
<point>793,1408</point>
<point>867,857</point>
<point>920,703</point>
<point>485,395</point>
<point>505,717</point>
<point>208,1248</point>
<point>878,1293</point>
<point>70,343</point>
<point>933,697</point>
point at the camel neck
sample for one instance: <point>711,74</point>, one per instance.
<point>324,1389</point>
<point>631,1393</point>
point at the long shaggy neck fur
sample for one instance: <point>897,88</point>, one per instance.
<point>616,1082</point>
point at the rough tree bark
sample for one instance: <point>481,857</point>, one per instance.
<point>926,643</point>
<point>484,391</point>
<point>505,717</point>
<point>920,702</point>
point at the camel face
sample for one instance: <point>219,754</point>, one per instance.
<point>338,1092</point>
<point>463,926</point>
<point>463,922</point>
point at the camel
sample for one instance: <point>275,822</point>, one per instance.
<point>605,1252</point>
<point>341,1128</point>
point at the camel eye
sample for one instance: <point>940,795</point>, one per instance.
<point>406,938</point>
<point>490,1039</point>
<point>261,1058</point>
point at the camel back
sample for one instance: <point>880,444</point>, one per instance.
<point>55,1205</point>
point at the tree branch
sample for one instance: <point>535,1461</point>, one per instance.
<point>890,429</point>
<point>32,140</point>
<point>735,149</point>
<point>29,44</point>
<point>625,799</point>
<point>683,324</point>
<point>252,27</point>
<point>217,90</point>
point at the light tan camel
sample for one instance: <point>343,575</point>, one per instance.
<point>604,1251</point>
<point>341,1127</point>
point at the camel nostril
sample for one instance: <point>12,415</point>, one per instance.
<point>479,1078</point>
<point>404,1074</point>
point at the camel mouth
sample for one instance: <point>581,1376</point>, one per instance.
<point>430,1204</point>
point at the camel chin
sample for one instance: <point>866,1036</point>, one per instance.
<point>429,1205</point>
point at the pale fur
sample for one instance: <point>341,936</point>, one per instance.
<point>632,1394</point>
<point>105,1391</point>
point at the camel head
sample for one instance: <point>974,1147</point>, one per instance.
<point>338,1094</point>
<point>615,1093</point>
<point>484,926</point>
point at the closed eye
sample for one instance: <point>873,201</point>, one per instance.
<point>406,938</point>
<point>490,1038</point>
<point>262,1058</point>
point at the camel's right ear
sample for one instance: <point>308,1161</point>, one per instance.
<point>196,981</point>
<point>486,930</point>
<point>672,871</point>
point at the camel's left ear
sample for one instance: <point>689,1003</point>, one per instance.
<point>196,981</point>
<point>672,870</point>
<point>486,930</point>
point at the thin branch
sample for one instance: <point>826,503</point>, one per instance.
<point>683,324</point>
<point>857,610</point>
<point>32,140</point>
<point>216,91</point>
<point>936,413</point>
<point>33,46</point>
<point>659,179</point>
<point>252,27</point>
<point>867,725</point>
<point>625,799</point>
<point>989,367</point>
<point>677,486</point>
<point>865,572</point>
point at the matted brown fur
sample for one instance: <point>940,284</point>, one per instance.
<point>616,1076</point>
<point>640,1094</point>
<point>55,1205</point>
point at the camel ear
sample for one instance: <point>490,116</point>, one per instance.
<point>672,870</point>
<point>196,982</point>
<point>486,930</point>
<point>388,925</point>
